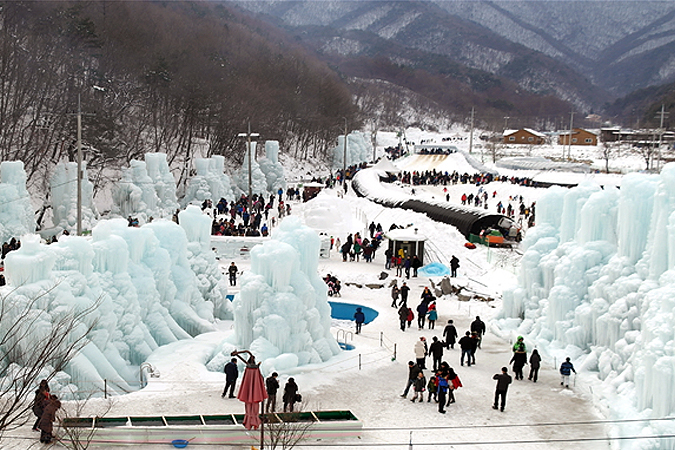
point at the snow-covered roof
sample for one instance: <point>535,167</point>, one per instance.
<point>386,165</point>
<point>405,234</point>
<point>529,130</point>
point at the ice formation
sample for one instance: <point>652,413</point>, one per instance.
<point>210,182</point>
<point>359,149</point>
<point>597,283</point>
<point>154,284</point>
<point>282,313</point>
<point>16,211</point>
<point>258,180</point>
<point>64,198</point>
<point>164,184</point>
<point>270,166</point>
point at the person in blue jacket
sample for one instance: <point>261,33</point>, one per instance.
<point>359,318</point>
<point>566,369</point>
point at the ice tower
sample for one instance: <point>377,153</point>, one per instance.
<point>64,197</point>
<point>16,211</point>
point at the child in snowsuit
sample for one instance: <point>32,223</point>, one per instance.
<point>432,387</point>
<point>48,418</point>
<point>420,384</point>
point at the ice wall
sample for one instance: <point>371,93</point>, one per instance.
<point>359,149</point>
<point>209,183</point>
<point>597,283</point>
<point>270,166</point>
<point>152,285</point>
<point>282,313</point>
<point>64,197</point>
<point>16,211</point>
<point>258,180</point>
<point>164,184</point>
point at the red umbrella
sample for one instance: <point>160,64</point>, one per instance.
<point>252,391</point>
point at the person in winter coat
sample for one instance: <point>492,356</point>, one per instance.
<point>421,352</point>
<point>231,374</point>
<point>403,316</point>
<point>359,318</point>
<point>466,344</point>
<point>503,381</point>
<point>413,370</point>
<point>432,387</point>
<point>406,267</point>
<point>394,296</point>
<point>41,399</point>
<point>566,369</point>
<point>436,351</point>
<point>272,386</point>
<point>535,363</point>
<point>345,249</point>
<point>232,271</point>
<point>478,326</point>
<point>399,266</point>
<point>404,294</point>
<point>454,383</point>
<point>418,387</point>
<point>475,342</point>
<point>450,335</point>
<point>388,253</point>
<point>411,316</point>
<point>433,315</point>
<point>519,359</point>
<point>454,265</point>
<point>443,387</point>
<point>415,264</point>
<point>47,419</point>
<point>422,310</point>
<point>290,395</point>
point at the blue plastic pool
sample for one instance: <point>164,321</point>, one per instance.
<point>345,311</point>
<point>345,346</point>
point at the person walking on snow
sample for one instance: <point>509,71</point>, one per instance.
<point>503,381</point>
<point>419,386</point>
<point>519,358</point>
<point>232,271</point>
<point>535,362</point>
<point>443,387</point>
<point>404,294</point>
<point>454,265</point>
<point>450,335</point>
<point>478,327</point>
<point>433,315</point>
<point>231,374</point>
<point>272,386</point>
<point>290,395</point>
<point>422,310</point>
<point>359,318</point>
<point>394,295</point>
<point>415,264</point>
<point>466,344</point>
<point>403,316</point>
<point>413,370</point>
<point>421,352</point>
<point>566,369</point>
<point>436,350</point>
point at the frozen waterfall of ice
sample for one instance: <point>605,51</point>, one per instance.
<point>209,183</point>
<point>154,284</point>
<point>64,197</point>
<point>164,184</point>
<point>270,166</point>
<point>282,313</point>
<point>258,180</point>
<point>16,212</point>
<point>359,149</point>
<point>597,283</point>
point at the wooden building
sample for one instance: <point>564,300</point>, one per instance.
<point>524,136</point>
<point>579,137</point>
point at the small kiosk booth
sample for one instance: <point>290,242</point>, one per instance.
<point>407,239</point>
<point>311,190</point>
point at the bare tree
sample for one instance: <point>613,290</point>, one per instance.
<point>607,151</point>
<point>286,430</point>
<point>35,344</point>
<point>75,431</point>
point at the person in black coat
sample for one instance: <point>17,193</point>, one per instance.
<point>436,350</point>
<point>519,360</point>
<point>450,335</point>
<point>466,344</point>
<point>272,386</point>
<point>478,327</point>
<point>232,271</point>
<point>503,381</point>
<point>290,395</point>
<point>41,399</point>
<point>415,264</point>
<point>359,318</point>
<point>47,419</point>
<point>535,363</point>
<point>422,309</point>
<point>454,265</point>
<point>231,374</point>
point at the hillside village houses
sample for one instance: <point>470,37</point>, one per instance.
<point>579,137</point>
<point>524,136</point>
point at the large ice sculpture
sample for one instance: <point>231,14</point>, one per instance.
<point>64,197</point>
<point>153,285</point>
<point>210,182</point>
<point>16,211</point>
<point>282,313</point>
<point>359,149</point>
<point>164,184</point>
<point>258,180</point>
<point>597,282</point>
<point>269,165</point>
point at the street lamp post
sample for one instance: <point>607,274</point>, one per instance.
<point>344,156</point>
<point>248,135</point>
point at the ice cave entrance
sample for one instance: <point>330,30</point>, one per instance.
<point>345,311</point>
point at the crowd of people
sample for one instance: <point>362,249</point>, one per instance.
<point>355,247</point>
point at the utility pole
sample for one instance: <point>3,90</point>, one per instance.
<point>506,122</point>
<point>79,166</point>
<point>471,135</point>
<point>662,114</point>
<point>569,151</point>
<point>248,136</point>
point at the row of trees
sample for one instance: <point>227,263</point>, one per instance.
<point>154,76</point>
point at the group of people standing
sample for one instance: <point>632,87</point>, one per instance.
<point>45,406</point>
<point>441,385</point>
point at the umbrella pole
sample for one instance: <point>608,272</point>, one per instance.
<point>262,425</point>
